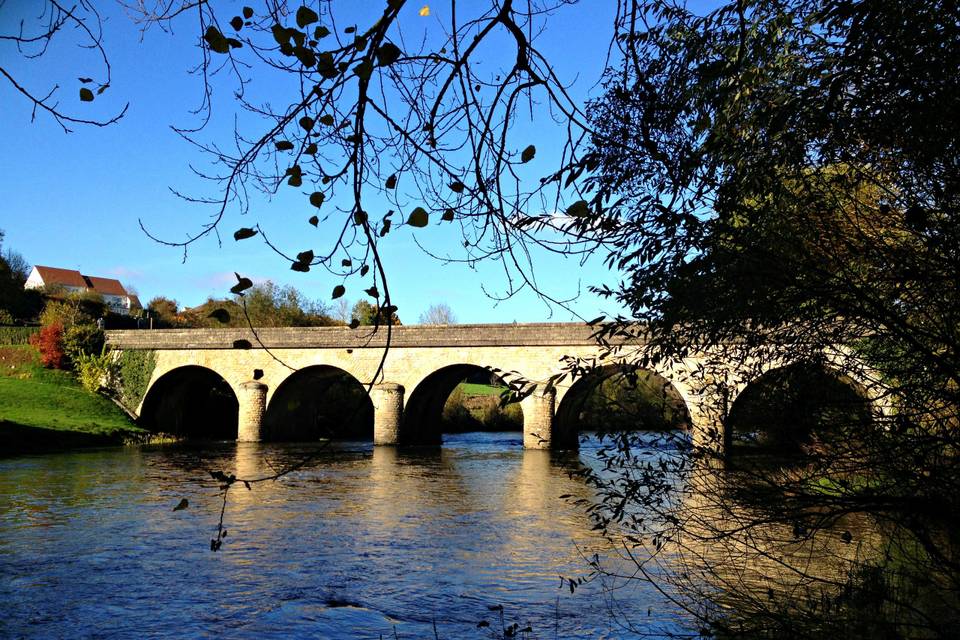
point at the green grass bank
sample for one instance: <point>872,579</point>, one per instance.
<point>43,409</point>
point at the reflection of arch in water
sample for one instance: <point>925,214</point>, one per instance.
<point>423,414</point>
<point>783,408</point>
<point>661,406</point>
<point>319,402</point>
<point>191,402</point>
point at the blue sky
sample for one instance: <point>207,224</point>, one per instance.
<point>74,200</point>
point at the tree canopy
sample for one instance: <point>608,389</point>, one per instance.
<point>263,305</point>
<point>15,303</point>
<point>784,181</point>
<point>438,314</point>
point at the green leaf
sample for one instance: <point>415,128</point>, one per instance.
<point>385,227</point>
<point>314,220</point>
<point>242,344</point>
<point>372,292</point>
<point>257,374</point>
<point>359,216</point>
<point>305,16</point>
<point>85,80</point>
<point>311,149</point>
<point>306,122</point>
<point>306,56</point>
<point>387,54</point>
<point>86,95</point>
<point>418,217</point>
<point>349,29</point>
<point>220,315</point>
<point>363,70</point>
<point>346,263</point>
<point>354,323</point>
<point>302,267</point>
<point>363,270</point>
<point>281,34</point>
<point>447,215</point>
<point>338,291</point>
<point>215,40</point>
<point>528,153</point>
<point>237,23</point>
<point>359,43</point>
<point>391,181</point>
<point>247,13</point>
<point>305,256</point>
<point>326,119</point>
<point>326,67</point>
<point>242,284</point>
<point>317,198</point>
<point>320,33</point>
<point>296,176</point>
<point>457,186</point>
<point>578,209</point>
<point>283,145</point>
<point>243,233</point>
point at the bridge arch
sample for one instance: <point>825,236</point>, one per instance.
<point>191,402</point>
<point>645,400</point>
<point>319,402</point>
<point>423,415</point>
<point>783,408</point>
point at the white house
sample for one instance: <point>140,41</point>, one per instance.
<point>113,293</point>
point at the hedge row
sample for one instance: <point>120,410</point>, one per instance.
<point>16,335</point>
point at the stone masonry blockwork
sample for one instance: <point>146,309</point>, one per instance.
<point>533,352</point>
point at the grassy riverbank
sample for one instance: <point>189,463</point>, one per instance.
<point>42,409</point>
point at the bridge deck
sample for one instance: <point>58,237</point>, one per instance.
<point>472,335</point>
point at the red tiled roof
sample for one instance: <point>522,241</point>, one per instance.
<point>63,277</point>
<point>72,278</point>
<point>107,286</point>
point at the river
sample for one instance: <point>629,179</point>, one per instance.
<point>363,543</point>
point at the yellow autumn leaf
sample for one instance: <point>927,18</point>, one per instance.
<point>425,10</point>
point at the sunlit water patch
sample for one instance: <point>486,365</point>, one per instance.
<point>365,542</point>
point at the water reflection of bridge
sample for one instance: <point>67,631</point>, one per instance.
<point>228,377</point>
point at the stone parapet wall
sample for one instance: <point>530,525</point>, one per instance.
<point>466,335</point>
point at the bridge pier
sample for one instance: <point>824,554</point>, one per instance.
<point>712,439</point>
<point>538,419</point>
<point>387,401</point>
<point>253,404</point>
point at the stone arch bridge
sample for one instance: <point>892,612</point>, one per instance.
<point>413,377</point>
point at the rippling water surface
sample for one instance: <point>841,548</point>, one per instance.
<point>364,542</point>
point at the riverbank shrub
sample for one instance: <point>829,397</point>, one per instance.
<point>83,340</point>
<point>134,370</point>
<point>641,400</point>
<point>96,371</point>
<point>49,342</point>
<point>476,407</point>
